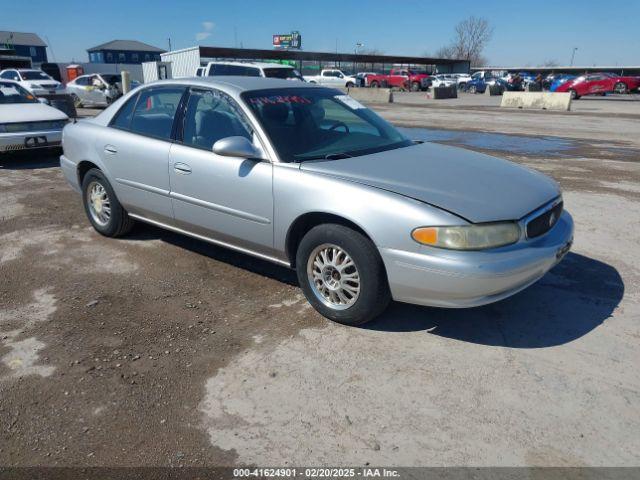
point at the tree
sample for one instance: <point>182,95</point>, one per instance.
<point>550,63</point>
<point>470,38</point>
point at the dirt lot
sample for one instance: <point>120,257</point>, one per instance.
<point>162,350</point>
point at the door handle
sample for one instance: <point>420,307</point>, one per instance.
<point>182,168</point>
<point>110,149</point>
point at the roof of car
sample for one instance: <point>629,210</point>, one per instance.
<point>254,64</point>
<point>239,84</point>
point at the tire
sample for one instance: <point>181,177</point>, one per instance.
<point>574,94</point>
<point>375,84</point>
<point>621,88</point>
<point>117,223</point>
<point>415,86</point>
<point>373,295</point>
<point>472,89</point>
<point>350,85</point>
<point>76,101</point>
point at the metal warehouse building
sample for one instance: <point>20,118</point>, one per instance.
<point>183,63</point>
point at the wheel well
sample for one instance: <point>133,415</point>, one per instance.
<point>306,222</point>
<point>83,168</point>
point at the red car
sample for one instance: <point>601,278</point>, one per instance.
<point>599,84</point>
<point>401,78</point>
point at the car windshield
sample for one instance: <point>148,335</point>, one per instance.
<point>112,78</point>
<point>285,73</point>
<point>34,75</point>
<point>13,93</point>
<point>318,123</point>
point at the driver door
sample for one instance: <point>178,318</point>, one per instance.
<point>228,199</point>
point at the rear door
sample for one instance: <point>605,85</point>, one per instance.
<point>135,151</point>
<point>225,198</point>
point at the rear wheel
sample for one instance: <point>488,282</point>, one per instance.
<point>375,84</point>
<point>342,275</point>
<point>76,101</point>
<point>350,84</point>
<point>620,88</point>
<point>415,86</point>
<point>574,94</point>
<point>102,207</point>
<point>472,89</point>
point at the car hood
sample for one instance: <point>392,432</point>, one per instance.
<point>477,187</point>
<point>29,112</point>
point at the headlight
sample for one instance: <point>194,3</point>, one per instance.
<point>468,237</point>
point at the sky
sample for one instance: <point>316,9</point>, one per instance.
<point>526,33</point>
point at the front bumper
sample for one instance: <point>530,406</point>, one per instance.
<point>459,279</point>
<point>18,141</point>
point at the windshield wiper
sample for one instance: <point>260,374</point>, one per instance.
<point>337,156</point>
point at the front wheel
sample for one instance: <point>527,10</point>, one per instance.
<point>102,207</point>
<point>415,87</point>
<point>620,88</point>
<point>350,85</point>
<point>472,89</point>
<point>342,275</point>
<point>574,94</point>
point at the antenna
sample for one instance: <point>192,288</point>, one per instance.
<point>53,54</point>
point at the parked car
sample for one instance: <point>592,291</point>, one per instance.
<point>96,89</point>
<point>476,85</point>
<point>307,177</point>
<point>35,81</point>
<point>251,69</point>
<point>402,78</point>
<point>462,79</point>
<point>362,78</point>
<point>599,84</point>
<point>442,80</point>
<point>332,78</point>
<point>559,80</point>
<point>25,122</point>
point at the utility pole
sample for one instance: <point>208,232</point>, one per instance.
<point>573,55</point>
<point>169,40</point>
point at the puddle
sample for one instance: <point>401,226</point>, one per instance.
<point>497,142</point>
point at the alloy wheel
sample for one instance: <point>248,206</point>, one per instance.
<point>99,203</point>
<point>333,276</point>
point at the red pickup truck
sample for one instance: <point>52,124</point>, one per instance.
<point>401,78</point>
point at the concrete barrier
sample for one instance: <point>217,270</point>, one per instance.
<point>537,100</point>
<point>370,95</point>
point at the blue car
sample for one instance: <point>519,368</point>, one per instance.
<point>476,85</point>
<point>559,80</point>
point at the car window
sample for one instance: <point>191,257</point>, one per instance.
<point>82,81</point>
<point>11,75</point>
<point>285,73</point>
<point>212,115</point>
<point>122,119</point>
<point>14,93</point>
<point>308,124</point>
<point>239,70</point>
<point>155,110</point>
<point>34,75</point>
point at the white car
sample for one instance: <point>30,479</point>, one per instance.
<point>99,89</point>
<point>26,122</point>
<point>442,80</point>
<point>249,69</point>
<point>462,79</point>
<point>35,81</point>
<point>332,78</point>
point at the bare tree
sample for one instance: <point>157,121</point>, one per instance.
<point>470,39</point>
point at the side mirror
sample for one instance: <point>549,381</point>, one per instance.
<point>237,146</point>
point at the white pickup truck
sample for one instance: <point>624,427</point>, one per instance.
<point>332,78</point>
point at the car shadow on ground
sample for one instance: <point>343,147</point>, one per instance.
<point>256,265</point>
<point>30,160</point>
<point>575,297</point>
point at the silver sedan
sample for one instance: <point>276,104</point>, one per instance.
<point>96,89</point>
<point>307,177</point>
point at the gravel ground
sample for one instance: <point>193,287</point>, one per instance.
<point>162,350</point>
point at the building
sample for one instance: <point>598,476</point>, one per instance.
<point>24,44</point>
<point>185,62</point>
<point>124,51</point>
